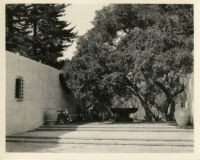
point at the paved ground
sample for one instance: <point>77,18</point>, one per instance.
<point>104,137</point>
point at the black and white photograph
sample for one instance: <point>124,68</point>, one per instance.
<point>99,78</point>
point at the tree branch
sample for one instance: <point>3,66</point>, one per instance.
<point>161,86</point>
<point>178,91</point>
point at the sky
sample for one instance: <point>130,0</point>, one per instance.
<point>80,16</point>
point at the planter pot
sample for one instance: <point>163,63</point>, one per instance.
<point>182,117</point>
<point>51,116</point>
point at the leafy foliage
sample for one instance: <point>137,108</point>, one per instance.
<point>140,50</point>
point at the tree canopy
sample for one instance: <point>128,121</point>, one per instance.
<point>141,50</point>
<point>36,31</point>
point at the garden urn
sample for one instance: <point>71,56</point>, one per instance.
<point>182,116</point>
<point>50,116</point>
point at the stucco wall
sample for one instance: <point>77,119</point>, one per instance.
<point>42,90</point>
<point>190,95</point>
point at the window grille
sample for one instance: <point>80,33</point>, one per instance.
<point>19,88</point>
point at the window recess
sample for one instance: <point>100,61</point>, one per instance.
<point>19,88</point>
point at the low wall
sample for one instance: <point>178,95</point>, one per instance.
<point>41,89</point>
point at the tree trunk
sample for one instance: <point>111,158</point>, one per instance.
<point>34,38</point>
<point>170,101</point>
<point>135,90</point>
<point>170,116</point>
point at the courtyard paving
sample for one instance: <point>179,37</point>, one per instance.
<point>104,137</point>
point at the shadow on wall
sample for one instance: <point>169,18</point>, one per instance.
<point>73,103</point>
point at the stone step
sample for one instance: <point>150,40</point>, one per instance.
<point>173,136</point>
<point>92,148</point>
<point>115,129</point>
<point>96,138</point>
<point>111,126</point>
<point>144,142</point>
<point>118,125</point>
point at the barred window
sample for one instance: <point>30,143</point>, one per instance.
<point>19,88</point>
